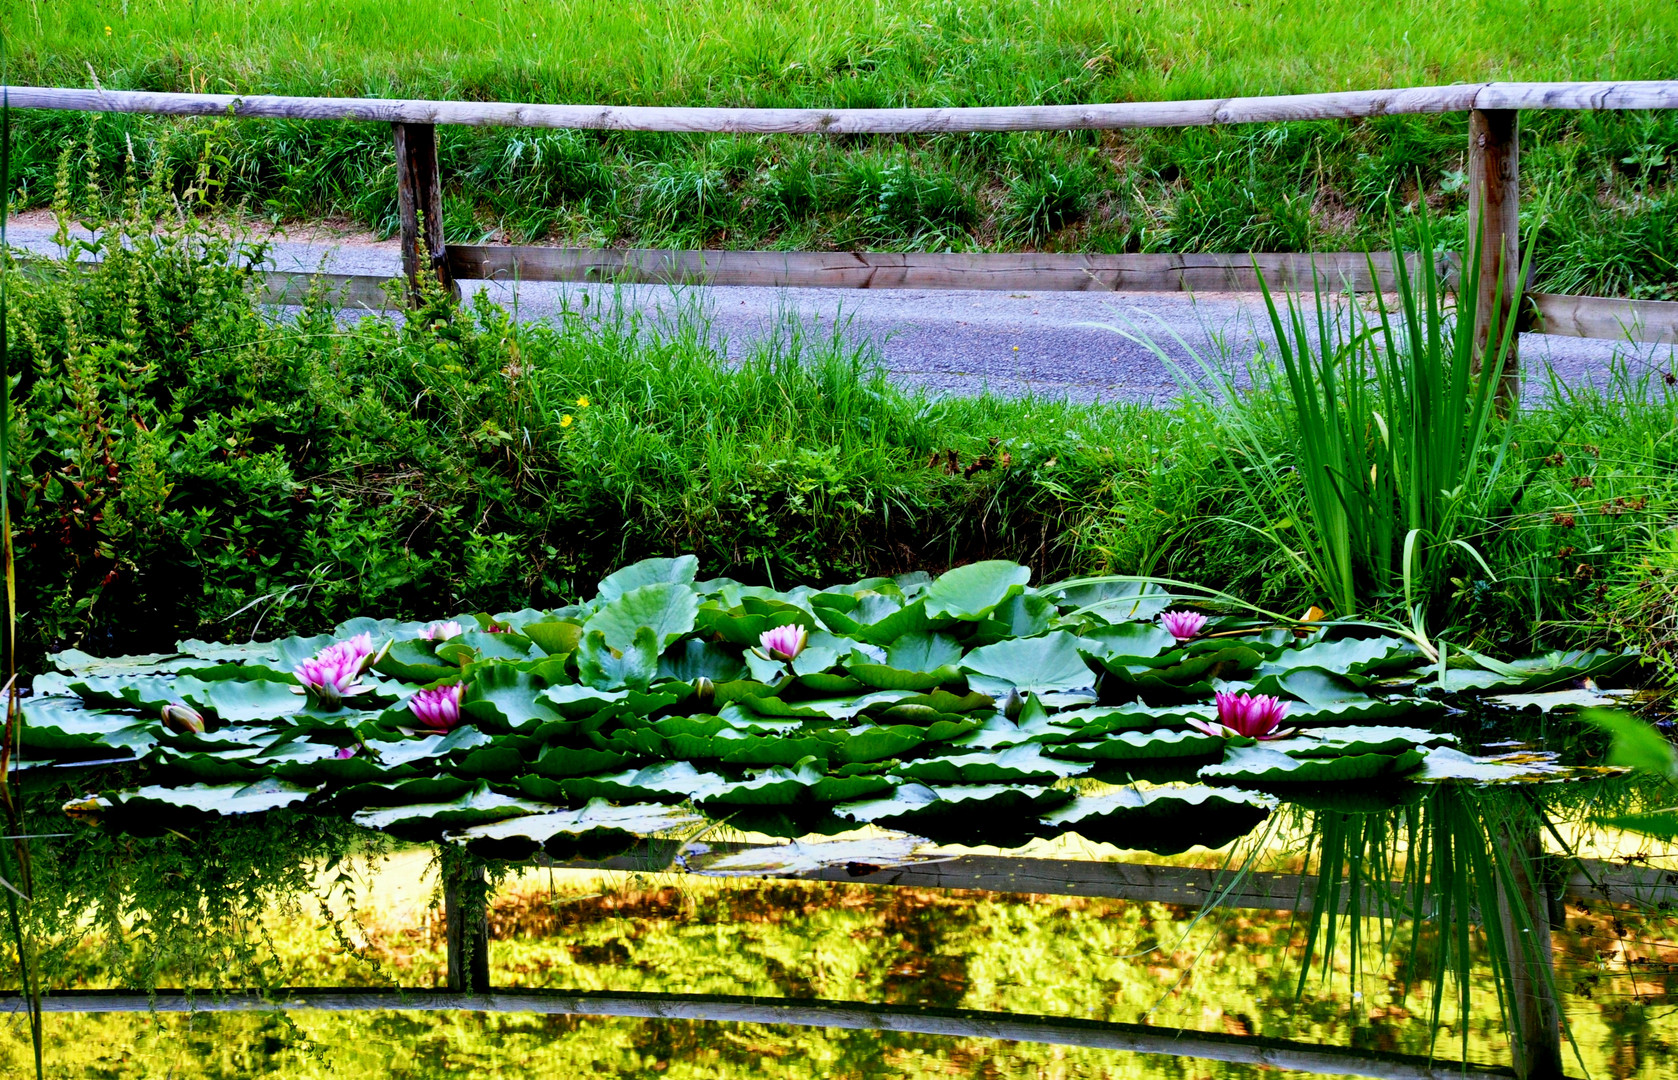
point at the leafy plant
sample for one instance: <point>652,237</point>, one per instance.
<point>1375,445</point>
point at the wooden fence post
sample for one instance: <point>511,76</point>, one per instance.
<point>468,935</point>
<point>1494,209</point>
<point>1524,909</point>
<point>419,204</point>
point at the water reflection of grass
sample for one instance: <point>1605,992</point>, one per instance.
<point>1045,955</point>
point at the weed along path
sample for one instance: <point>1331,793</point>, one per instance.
<point>950,341</point>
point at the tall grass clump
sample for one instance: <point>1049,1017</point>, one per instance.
<point>1374,443</point>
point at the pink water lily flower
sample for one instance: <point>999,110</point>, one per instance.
<point>784,642</point>
<point>344,752</point>
<point>1250,716</point>
<point>437,709</point>
<point>441,631</point>
<point>1183,625</point>
<point>330,675</point>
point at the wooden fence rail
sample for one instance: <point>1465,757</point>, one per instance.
<point>1494,175</point>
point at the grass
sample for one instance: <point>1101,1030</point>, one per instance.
<point>1600,186</point>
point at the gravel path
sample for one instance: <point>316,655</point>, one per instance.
<point>1050,343</point>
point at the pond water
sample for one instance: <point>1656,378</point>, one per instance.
<point>903,827</point>
<point>1224,970</point>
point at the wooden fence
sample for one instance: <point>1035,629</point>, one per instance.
<point>1494,175</point>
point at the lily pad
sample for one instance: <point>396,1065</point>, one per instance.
<point>972,591</point>
<point>480,806</point>
<point>1033,665</point>
<point>1261,765</point>
<point>224,799</point>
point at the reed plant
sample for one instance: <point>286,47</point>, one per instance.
<point>1374,444</point>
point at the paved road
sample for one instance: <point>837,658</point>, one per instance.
<point>964,342</point>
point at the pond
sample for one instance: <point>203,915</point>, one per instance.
<point>903,827</point>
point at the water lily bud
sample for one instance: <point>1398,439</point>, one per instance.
<point>1012,704</point>
<point>182,719</point>
<point>704,690</point>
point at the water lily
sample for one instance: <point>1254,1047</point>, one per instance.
<point>437,709</point>
<point>1247,715</point>
<point>330,675</point>
<point>784,642</point>
<point>345,752</point>
<point>1183,625</point>
<point>441,631</point>
<point>182,719</point>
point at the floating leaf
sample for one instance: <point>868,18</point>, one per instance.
<point>923,652</point>
<point>696,659</point>
<point>562,832</point>
<point>606,668</point>
<point>668,609</point>
<point>680,571</point>
<point>64,725</point>
<point>1139,745</point>
<point>1257,764</point>
<point>480,806</point>
<point>266,794</point>
<point>1022,763</point>
<point>1130,641</point>
<point>1449,763</point>
<point>1033,665</point>
<point>972,591</point>
<point>554,637</point>
<point>501,697</point>
<point>1164,820</point>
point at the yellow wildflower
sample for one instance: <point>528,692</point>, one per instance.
<point>565,421</point>
<point>582,403</point>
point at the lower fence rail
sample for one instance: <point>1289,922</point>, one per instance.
<point>1608,318</point>
<point>816,1013</point>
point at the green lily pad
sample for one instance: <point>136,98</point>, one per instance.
<point>1261,765</point>
<point>501,697</point>
<point>65,726</point>
<point>561,833</point>
<point>917,804</point>
<point>564,761</point>
<point>1140,745</point>
<point>1019,764</point>
<point>679,571</point>
<point>696,659</point>
<point>1031,665</point>
<point>923,652</point>
<point>414,660</point>
<point>1128,642</point>
<point>554,637</point>
<point>1339,741</point>
<point>606,668</point>
<point>668,608</point>
<point>972,591</point>
<point>479,806</point>
<point>775,786</point>
<point>224,799</point>
<point>1164,820</point>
